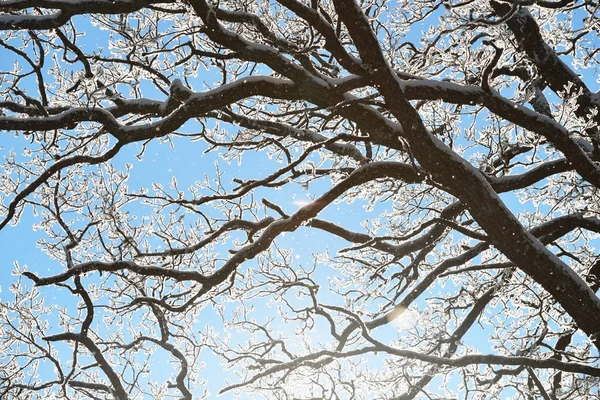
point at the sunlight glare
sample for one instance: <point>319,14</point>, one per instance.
<point>402,318</point>
<point>301,202</point>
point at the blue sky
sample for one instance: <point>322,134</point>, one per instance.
<point>160,163</point>
<point>187,162</point>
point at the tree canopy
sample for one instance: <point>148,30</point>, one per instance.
<point>301,199</point>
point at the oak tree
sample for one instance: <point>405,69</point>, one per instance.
<point>301,199</point>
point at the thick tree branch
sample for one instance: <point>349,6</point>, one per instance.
<point>485,206</point>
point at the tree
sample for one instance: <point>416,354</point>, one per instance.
<point>459,140</point>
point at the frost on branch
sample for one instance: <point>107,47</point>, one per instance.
<point>299,199</point>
